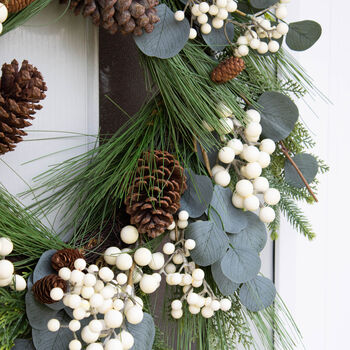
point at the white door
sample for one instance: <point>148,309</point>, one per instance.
<point>313,277</point>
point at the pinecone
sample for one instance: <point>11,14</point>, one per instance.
<point>20,92</point>
<point>65,258</point>
<point>227,70</point>
<point>128,16</point>
<point>155,194</point>
<point>42,288</point>
<point>14,6</point>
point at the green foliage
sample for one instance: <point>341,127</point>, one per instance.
<point>13,320</point>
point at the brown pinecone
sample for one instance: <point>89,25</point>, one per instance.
<point>227,70</point>
<point>155,194</point>
<point>65,258</point>
<point>128,16</point>
<point>42,288</point>
<point>20,92</point>
<point>14,6</point>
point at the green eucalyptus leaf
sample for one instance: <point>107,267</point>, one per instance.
<point>23,344</point>
<point>211,242</point>
<point>143,333</point>
<point>234,220</point>
<point>240,265</point>
<point>307,164</point>
<point>217,39</point>
<point>198,194</point>
<point>262,4</point>
<point>254,236</point>
<point>225,285</point>
<point>257,294</point>
<point>302,35</point>
<point>168,37</point>
<point>278,115</point>
<point>44,339</point>
<point>38,314</point>
<point>43,267</point>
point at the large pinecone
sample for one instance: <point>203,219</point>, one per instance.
<point>14,6</point>
<point>128,16</point>
<point>155,193</point>
<point>227,70</point>
<point>20,92</point>
<point>42,288</point>
<point>65,258</point>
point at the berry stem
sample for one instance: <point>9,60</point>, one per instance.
<point>241,13</point>
<point>206,160</point>
<point>130,277</point>
<point>286,153</point>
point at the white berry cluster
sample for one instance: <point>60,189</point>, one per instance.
<point>108,294</point>
<point>181,272</point>
<point>252,160</point>
<point>219,12</point>
<point>261,28</point>
<point>7,276</point>
<point>3,15</point>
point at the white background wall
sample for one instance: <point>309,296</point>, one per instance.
<point>313,277</point>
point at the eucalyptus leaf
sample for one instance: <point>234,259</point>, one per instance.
<point>262,4</point>
<point>143,333</point>
<point>38,314</point>
<point>168,37</point>
<point>23,344</point>
<point>234,220</point>
<point>225,285</point>
<point>198,194</point>
<point>43,267</point>
<point>257,294</point>
<point>278,115</point>
<point>240,265</point>
<point>308,166</point>
<point>302,35</point>
<point>211,242</point>
<point>217,39</point>
<point>254,236</point>
<point>44,339</point>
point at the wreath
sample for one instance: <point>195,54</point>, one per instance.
<point>180,199</point>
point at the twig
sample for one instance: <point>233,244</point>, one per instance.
<point>131,271</point>
<point>286,153</point>
<point>194,140</point>
<point>206,160</point>
<point>241,13</point>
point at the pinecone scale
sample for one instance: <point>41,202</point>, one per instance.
<point>42,288</point>
<point>155,194</point>
<point>227,70</point>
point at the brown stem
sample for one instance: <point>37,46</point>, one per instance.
<point>241,13</point>
<point>130,277</point>
<point>206,160</point>
<point>286,153</point>
<point>194,140</point>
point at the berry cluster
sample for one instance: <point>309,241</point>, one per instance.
<point>7,276</point>
<point>3,15</point>
<point>249,167</point>
<point>219,11</point>
<point>181,272</point>
<point>262,28</point>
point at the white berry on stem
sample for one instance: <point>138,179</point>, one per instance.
<point>179,15</point>
<point>222,178</point>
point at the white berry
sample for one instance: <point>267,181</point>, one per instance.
<point>3,17</point>
<point>215,305</point>
<point>238,201</point>
<point>253,170</point>
<point>195,10</point>
<point>129,234</point>
<point>6,245</point>
<point>193,309</point>
<point>267,215</point>
<point>276,35</point>
<point>225,304</point>
<point>282,28</point>
<point>204,7</point>
<point>244,188</point>
<point>127,340</point>
<point>6,269</point>
<point>260,184</point>
<point>222,178</point>
<point>176,304</point>
<point>253,115</point>
<point>231,6</point>
<point>251,203</point>
<point>264,159</point>
<point>243,50</point>
<point>95,346</point>
<point>170,268</point>
<point>143,256</point>
<point>74,325</point>
<point>263,48</point>
<point>226,155</point>
<point>190,244</point>
<point>157,261</point>
<point>148,284</point>
<point>251,154</point>
<point>93,268</point>
<point>134,315</point>
<point>124,262</point>
<point>96,326</point>
<point>222,14</point>
<point>192,298</point>
<point>254,43</point>
<point>198,274</point>
<point>88,335</point>
<point>113,344</point>
<point>168,248</point>
<point>274,46</point>
<point>64,273</point>
<point>118,304</point>
<point>272,196</point>
<point>56,294</point>
<point>106,274</point>
<point>213,10</point>
<point>281,12</point>
<point>202,19</point>
<point>236,145</point>
<point>75,344</point>
<point>227,125</point>
<point>179,15</point>
<point>216,169</point>
<point>18,283</point>
<point>53,325</point>
<point>171,226</point>
<point>113,319</point>
<point>221,3</point>
<point>242,40</point>
<point>176,314</point>
<point>206,28</point>
<point>207,312</point>
<point>182,224</point>
<point>268,146</point>
<point>178,259</point>
<point>96,300</point>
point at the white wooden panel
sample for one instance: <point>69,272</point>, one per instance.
<point>313,277</point>
<point>66,52</point>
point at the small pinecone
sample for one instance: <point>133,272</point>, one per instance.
<point>42,288</point>
<point>65,258</point>
<point>127,16</point>
<point>20,92</point>
<point>227,70</point>
<point>14,6</point>
<point>155,193</point>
